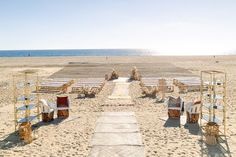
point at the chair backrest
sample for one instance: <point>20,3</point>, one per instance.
<point>53,106</point>
<point>195,109</point>
<point>45,107</point>
<point>174,102</point>
<point>188,106</point>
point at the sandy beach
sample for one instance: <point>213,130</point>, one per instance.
<point>72,136</point>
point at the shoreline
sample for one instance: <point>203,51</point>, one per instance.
<point>92,56</point>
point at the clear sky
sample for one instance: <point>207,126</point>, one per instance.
<point>167,26</point>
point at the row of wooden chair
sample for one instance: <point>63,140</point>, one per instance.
<point>153,85</point>
<point>55,85</point>
<point>187,84</point>
<point>87,86</point>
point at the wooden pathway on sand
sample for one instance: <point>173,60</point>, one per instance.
<point>120,94</point>
<point>117,135</point>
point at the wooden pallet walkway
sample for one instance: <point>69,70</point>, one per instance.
<point>117,135</point>
<point>120,95</point>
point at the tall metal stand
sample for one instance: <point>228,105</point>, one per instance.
<point>213,107</point>
<point>25,97</point>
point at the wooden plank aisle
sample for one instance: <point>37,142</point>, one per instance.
<point>117,135</point>
<point>120,94</point>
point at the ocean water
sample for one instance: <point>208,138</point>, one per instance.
<point>80,52</point>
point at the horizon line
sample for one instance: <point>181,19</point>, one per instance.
<point>143,49</point>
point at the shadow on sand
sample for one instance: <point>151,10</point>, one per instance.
<point>172,123</point>
<point>147,96</point>
<point>193,128</point>
<point>12,140</point>
<point>219,150</point>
